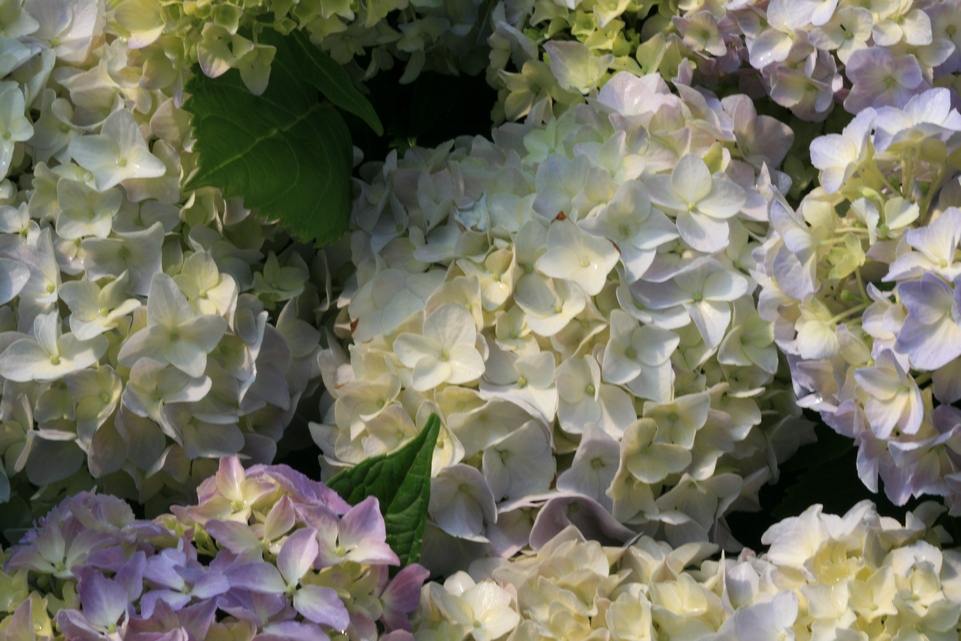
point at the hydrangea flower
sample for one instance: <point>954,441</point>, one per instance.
<point>93,227</point>
<point>174,333</point>
<point>168,41</point>
<point>854,576</point>
<point>106,575</point>
<point>49,354</point>
<point>158,328</point>
<point>118,153</point>
<point>805,56</point>
<point>444,351</point>
<point>569,280</point>
<point>873,335</point>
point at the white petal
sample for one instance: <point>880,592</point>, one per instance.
<point>703,233</point>
<point>466,364</point>
<point>712,319</point>
<point>166,304</point>
<point>450,325</point>
<point>430,372</point>
<point>691,180</point>
<point>13,276</point>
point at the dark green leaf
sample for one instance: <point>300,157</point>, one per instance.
<point>401,482</point>
<point>15,519</point>
<point>323,73</point>
<point>284,153</point>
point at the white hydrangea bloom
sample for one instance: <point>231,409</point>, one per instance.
<point>49,354</point>
<point>578,257</point>
<point>445,351</point>
<point>68,27</point>
<point>14,125</point>
<point>576,304</point>
<point>175,333</point>
<point>95,310</point>
<point>117,153</point>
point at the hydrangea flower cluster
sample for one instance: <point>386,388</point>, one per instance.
<point>861,284</point>
<point>851,578</point>
<point>144,331</point>
<point>267,554</point>
<point>574,301</point>
<point>167,38</point>
<point>802,50</point>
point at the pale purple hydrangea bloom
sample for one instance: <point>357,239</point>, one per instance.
<point>881,79</point>
<point>862,284</point>
<point>309,565</point>
<point>803,54</point>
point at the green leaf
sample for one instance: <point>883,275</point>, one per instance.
<point>401,482</point>
<point>15,519</point>
<point>285,153</point>
<point>325,75</point>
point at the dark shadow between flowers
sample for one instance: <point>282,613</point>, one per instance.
<point>822,472</point>
<point>432,109</point>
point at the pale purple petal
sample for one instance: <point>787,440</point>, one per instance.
<point>104,601</point>
<point>297,555</point>
<point>230,478</point>
<point>362,531</point>
<point>257,577</point>
<point>292,631</point>
<point>402,596</point>
<point>236,537</point>
<point>280,519</point>
<point>161,570</point>
<point>210,584</point>
<point>930,334</point>
<point>21,623</point>
<point>928,299</point>
<point>255,607</point>
<point>929,346</point>
<point>175,599</point>
<point>594,522</point>
<point>76,627</point>
<point>323,606</point>
<point>130,575</point>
